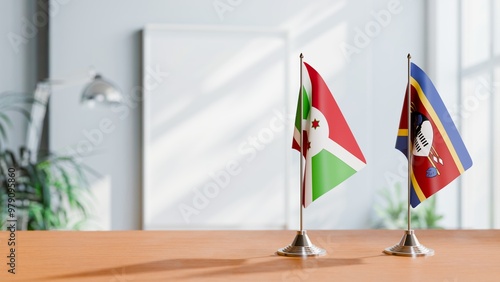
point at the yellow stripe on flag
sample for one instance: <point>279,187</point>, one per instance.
<point>438,123</point>
<point>417,188</point>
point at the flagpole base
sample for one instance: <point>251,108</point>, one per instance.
<point>409,247</point>
<point>301,247</point>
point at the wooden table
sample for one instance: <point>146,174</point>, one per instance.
<point>354,255</point>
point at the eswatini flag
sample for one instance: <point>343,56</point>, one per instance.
<point>438,154</point>
<point>331,153</point>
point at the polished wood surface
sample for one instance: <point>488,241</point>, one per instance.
<point>353,255</point>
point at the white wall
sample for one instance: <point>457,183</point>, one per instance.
<point>368,85</point>
<point>17,57</point>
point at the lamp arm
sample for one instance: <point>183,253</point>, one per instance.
<point>39,108</point>
<point>38,111</point>
<point>98,87</point>
<point>72,80</point>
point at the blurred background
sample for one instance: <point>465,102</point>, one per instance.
<point>202,136</point>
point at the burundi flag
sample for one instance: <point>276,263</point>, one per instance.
<point>438,154</point>
<point>331,153</point>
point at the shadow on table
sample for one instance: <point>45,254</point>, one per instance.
<point>223,267</point>
<point>288,267</point>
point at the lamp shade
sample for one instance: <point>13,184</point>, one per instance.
<point>101,90</point>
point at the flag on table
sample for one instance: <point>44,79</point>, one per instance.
<point>438,154</point>
<point>331,153</point>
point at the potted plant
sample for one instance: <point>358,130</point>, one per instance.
<point>50,193</point>
<point>393,213</point>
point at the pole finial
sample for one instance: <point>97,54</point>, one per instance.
<point>409,56</point>
<point>301,56</point>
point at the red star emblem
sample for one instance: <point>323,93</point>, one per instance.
<point>315,123</point>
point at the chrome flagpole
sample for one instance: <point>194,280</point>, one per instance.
<point>409,245</point>
<point>301,245</point>
<point>301,109</point>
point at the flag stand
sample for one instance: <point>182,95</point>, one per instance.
<point>409,245</point>
<point>301,245</point>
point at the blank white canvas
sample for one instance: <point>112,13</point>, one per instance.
<point>215,130</point>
